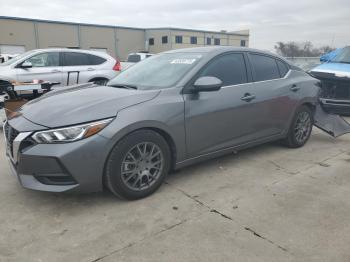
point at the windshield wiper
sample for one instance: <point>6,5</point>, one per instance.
<point>342,62</point>
<point>124,86</point>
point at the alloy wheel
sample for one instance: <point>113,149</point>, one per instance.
<point>142,166</point>
<point>302,127</point>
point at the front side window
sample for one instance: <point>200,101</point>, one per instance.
<point>45,59</point>
<point>75,59</point>
<point>178,39</point>
<point>193,40</point>
<point>157,72</point>
<point>229,68</point>
<point>264,67</point>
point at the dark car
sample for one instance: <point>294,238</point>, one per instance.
<point>166,112</point>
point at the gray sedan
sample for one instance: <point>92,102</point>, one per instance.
<point>166,112</point>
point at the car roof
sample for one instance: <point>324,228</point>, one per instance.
<point>216,50</point>
<point>97,53</point>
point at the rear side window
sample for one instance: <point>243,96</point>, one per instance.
<point>229,68</point>
<point>96,60</point>
<point>264,67</point>
<point>282,67</point>
<point>76,59</point>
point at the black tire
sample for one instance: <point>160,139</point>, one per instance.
<point>114,176</point>
<point>300,130</point>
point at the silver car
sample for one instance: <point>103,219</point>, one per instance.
<point>166,112</point>
<point>66,66</point>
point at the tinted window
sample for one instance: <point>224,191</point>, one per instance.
<point>45,59</point>
<point>230,69</point>
<point>151,41</point>
<point>264,67</point>
<point>96,60</point>
<point>178,39</point>
<point>134,58</point>
<point>282,67</point>
<point>76,59</point>
<point>208,41</point>
<point>193,40</point>
<point>164,40</point>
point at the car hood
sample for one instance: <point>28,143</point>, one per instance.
<point>337,69</point>
<point>81,104</point>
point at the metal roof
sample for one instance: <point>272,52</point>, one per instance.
<point>122,27</point>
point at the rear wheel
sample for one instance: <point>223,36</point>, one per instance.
<point>138,165</point>
<point>301,128</point>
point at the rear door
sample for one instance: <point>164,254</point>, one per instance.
<point>46,67</point>
<point>276,93</point>
<point>79,67</point>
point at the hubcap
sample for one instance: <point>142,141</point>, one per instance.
<point>302,127</point>
<point>142,166</point>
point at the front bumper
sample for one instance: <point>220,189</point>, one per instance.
<point>73,167</point>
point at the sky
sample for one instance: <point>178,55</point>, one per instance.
<point>269,21</point>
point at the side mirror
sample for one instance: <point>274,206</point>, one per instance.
<point>26,64</point>
<point>207,84</point>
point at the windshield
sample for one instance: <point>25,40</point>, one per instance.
<point>343,56</point>
<point>157,72</point>
<point>17,58</point>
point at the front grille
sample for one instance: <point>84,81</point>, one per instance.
<point>10,134</point>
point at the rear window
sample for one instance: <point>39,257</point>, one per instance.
<point>75,59</point>
<point>134,58</point>
<point>282,67</point>
<point>264,67</point>
<point>81,59</point>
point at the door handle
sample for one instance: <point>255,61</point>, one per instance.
<point>55,71</point>
<point>91,69</point>
<point>248,97</point>
<point>295,88</point>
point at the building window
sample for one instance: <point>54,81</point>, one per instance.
<point>151,41</point>
<point>193,40</point>
<point>243,43</point>
<point>217,41</point>
<point>208,41</point>
<point>178,39</point>
<point>164,39</point>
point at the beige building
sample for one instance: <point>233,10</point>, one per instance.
<point>18,35</point>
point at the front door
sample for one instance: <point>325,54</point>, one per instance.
<point>45,66</point>
<point>225,118</point>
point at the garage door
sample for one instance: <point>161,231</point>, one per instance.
<point>12,49</point>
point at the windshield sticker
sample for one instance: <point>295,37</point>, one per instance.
<point>183,61</point>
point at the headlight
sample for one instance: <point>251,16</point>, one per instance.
<point>70,134</point>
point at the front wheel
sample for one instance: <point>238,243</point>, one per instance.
<point>301,128</point>
<point>138,165</point>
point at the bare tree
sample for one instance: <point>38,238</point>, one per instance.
<point>300,49</point>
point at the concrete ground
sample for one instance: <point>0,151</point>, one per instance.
<point>269,203</point>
